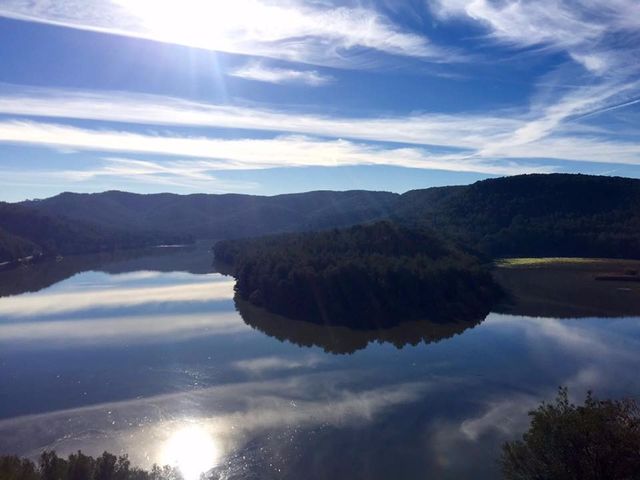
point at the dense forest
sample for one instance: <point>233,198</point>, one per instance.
<point>534,215</point>
<point>364,276</point>
<point>526,215</point>
<point>220,216</point>
<point>79,466</point>
<point>27,232</point>
<point>13,247</point>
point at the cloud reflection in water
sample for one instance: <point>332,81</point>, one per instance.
<point>207,288</point>
<point>115,330</point>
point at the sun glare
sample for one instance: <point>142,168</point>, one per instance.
<point>203,23</point>
<point>191,449</point>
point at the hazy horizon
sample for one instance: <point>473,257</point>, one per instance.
<point>419,180</point>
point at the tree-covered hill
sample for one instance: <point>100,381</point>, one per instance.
<point>364,276</point>
<point>220,216</point>
<point>526,215</point>
<point>26,232</point>
<point>534,215</point>
<point>13,247</point>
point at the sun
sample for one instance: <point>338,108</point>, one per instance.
<point>202,23</point>
<point>191,449</point>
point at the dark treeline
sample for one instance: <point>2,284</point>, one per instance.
<point>79,466</point>
<point>26,232</point>
<point>534,215</point>
<point>363,276</point>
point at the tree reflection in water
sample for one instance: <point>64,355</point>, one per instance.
<point>345,340</point>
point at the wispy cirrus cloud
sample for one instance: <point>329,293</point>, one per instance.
<point>186,174</point>
<point>250,153</point>
<point>495,141</point>
<point>260,72</point>
<point>310,32</point>
<point>601,36</point>
<point>104,173</point>
<point>551,120</point>
<point>459,130</point>
<point>551,129</point>
<point>588,31</point>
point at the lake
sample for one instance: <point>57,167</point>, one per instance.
<point>148,354</point>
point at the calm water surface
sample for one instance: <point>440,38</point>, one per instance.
<point>149,356</point>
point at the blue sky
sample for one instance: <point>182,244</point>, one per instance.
<point>267,97</point>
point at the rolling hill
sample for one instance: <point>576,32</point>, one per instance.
<point>26,232</point>
<point>220,216</point>
<point>534,215</point>
<point>526,215</point>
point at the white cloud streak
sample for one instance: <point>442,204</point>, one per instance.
<point>260,72</point>
<point>316,33</point>
<point>583,29</point>
<point>225,154</point>
<point>461,131</point>
<point>550,129</point>
<point>600,35</point>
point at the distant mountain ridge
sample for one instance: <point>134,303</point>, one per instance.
<point>525,215</point>
<point>220,216</point>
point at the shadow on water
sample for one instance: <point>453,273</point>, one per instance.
<point>570,290</point>
<point>344,340</point>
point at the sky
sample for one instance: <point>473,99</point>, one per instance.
<point>268,97</point>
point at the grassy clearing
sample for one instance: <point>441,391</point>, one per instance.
<point>543,261</point>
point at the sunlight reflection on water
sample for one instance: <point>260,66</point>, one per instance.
<point>192,449</point>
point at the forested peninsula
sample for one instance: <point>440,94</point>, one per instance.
<point>366,276</point>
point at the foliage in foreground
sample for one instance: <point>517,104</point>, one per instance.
<point>79,466</point>
<point>595,441</point>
